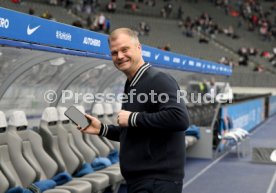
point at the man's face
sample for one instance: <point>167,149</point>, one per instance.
<point>126,53</point>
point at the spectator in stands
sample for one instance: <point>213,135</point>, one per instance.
<point>273,6</point>
<point>107,25</point>
<point>152,148</point>
<point>223,60</point>
<point>168,9</point>
<point>53,2</point>
<point>101,22</point>
<point>258,68</point>
<point>47,15</point>
<point>87,8</point>
<point>230,32</point>
<point>31,11</point>
<point>272,60</point>
<point>111,6</point>
<point>151,3</point>
<point>144,28</point>
<point>188,26</point>
<point>227,61</point>
<point>203,39</point>
<point>226,123</point>
<point>95,26</point>
<point>213,88</point>
<point>252,51</point>
<point>163,13</point>
<point>77,23</point>
<point>89,22</point>
<point>167,47</point>
<point>205,87</point>
<point>131,5</point>
<point>179,13</point>
<point>16,1</point>
<point>243,60</point>
<point>264,30</point>
<point>266,54</point>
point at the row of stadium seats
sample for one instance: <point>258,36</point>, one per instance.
<point>26,162</point>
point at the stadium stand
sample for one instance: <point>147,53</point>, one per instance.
<point>221,46</point>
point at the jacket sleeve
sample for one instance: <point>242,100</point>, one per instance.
<point>111,132</point>
<point>171,113</point>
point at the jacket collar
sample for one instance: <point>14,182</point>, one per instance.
<point>139,74</point>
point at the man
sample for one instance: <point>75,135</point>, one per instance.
<point>151,132</point>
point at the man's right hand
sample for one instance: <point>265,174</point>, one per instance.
<point>94,127</point>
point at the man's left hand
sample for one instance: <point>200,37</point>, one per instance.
<point>122,118</point>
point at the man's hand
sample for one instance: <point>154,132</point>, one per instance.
<point>94,127</point>
<point>122,118</point>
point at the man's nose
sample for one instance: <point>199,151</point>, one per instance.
<point>120,55</point>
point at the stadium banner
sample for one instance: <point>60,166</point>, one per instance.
<point>245,115</point>
<point>181,62</point>
<point>34,30</point>
<point>23,27</point>
<point>272,105</point>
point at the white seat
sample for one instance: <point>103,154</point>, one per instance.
<point>116,108</point>
<point>4,183</point>
<point>94,142</point>
<point>108,113</point>
<point>10,148</point>
<point>231,135</point>
<point>110,118</point>
<point>41,163</point>
<point>99,181</point>
<point>99,112</point>
<point>190,141</point>
<point>56,132</point>
<point>240,132</point>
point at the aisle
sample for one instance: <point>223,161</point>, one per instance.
<point>228,174</point>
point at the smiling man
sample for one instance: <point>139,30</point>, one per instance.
<point>126,51</point>
<point>152,148</point>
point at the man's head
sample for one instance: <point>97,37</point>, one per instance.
<point>126,50</point>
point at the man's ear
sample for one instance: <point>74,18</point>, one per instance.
<point>139,46</point>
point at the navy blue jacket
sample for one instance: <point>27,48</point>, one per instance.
<point>153,146</point>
